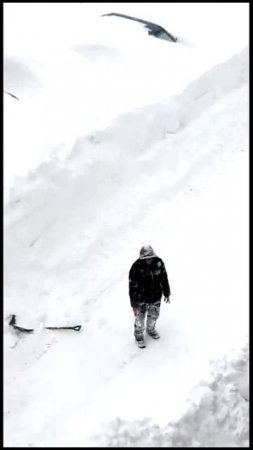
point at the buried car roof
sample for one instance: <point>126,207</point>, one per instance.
<point>153,28</point>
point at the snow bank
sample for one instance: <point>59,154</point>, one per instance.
<point>218,415</point>
<point>46,213</point>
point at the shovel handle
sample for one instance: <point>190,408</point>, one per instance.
<point>75,328</point>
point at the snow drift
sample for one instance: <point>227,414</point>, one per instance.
<point>175,175</point>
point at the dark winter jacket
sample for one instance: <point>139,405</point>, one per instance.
<point>147,282</point>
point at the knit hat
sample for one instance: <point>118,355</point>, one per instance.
<point>147,252</point>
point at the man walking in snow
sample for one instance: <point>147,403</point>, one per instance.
<point>148,281</point>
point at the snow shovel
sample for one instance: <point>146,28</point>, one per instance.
<point>13,324</point>
<point>75,328</point>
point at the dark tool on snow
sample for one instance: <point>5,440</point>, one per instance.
<point>12,95</point>
<point>13,324</point>
<point>75,328</point>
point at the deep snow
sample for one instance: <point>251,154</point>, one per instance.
<point>171,171</point>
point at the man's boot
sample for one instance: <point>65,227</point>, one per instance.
<point>140,343</point>
<point>153,333</point>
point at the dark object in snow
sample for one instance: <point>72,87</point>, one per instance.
<point>13,324</point>
<point>14,96</point>
<point>148,282</point>
<point>154,334</point>
<point>148,279</point>
<point>31,330</point>
<point>153,29</point>
<point>75,328</point>
<point>140,343</point>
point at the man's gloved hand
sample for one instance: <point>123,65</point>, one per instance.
<point>167,299</point>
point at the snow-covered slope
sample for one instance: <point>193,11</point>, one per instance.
<point>174,175</point>
<point>74,71</point>
<point>109,184</point>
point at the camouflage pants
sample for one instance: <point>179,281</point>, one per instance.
<point>152,310</point>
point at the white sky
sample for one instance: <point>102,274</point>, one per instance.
<point>89,186</point>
